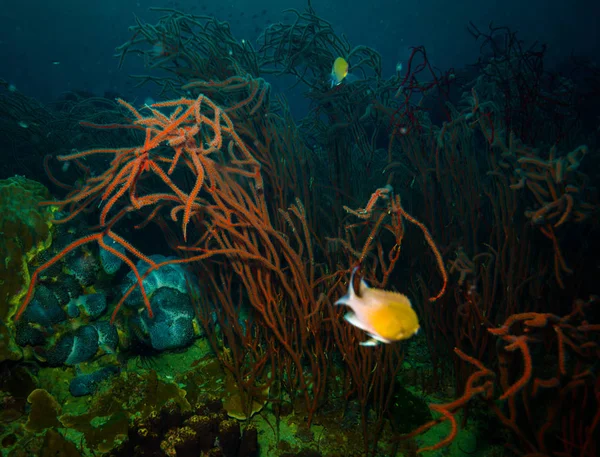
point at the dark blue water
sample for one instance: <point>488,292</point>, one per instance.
<point>48,47</point>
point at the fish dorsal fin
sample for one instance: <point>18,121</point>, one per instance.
<point>391,297</point>
<point>363,286</point>
<point>350,296</point>
<point>351,290</point>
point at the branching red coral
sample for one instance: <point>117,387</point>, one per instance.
<point>184,138</point>
<point>573,337</point>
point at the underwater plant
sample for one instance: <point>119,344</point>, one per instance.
<point>424,185</point>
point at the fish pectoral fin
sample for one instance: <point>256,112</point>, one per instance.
<point>369,342</point>
<point>352,319</point>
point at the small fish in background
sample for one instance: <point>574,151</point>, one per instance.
<point>386,316</point>
<point>399,68</point>
<point>339,71</point>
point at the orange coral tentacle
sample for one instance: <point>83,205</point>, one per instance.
<point>72,246</point>
<point>436,252</point>
<point>129,263</point>
<point>519,342</point>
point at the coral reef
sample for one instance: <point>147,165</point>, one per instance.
<point>205,428</point>
<point>475,197</point>
<point>87,384</point>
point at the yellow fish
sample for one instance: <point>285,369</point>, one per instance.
<point>386,316</point>
<point>339,71</point>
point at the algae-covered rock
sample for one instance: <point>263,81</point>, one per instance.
<point>125,397</point>
<point>14,390</point>
<point>408,411</point>
<point>25,230</point>
<point>236,401</point>
<point>55,445</point>
<point>44,411</point>
<point>204,430</point>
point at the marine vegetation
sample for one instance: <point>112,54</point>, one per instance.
<point>214,229</point>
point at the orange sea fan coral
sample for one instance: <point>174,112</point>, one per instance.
<point>185,138</point>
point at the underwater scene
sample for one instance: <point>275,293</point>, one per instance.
<point>299,229</point>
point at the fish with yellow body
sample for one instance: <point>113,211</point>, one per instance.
<point>386,316</point>
<point>339,71</point>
